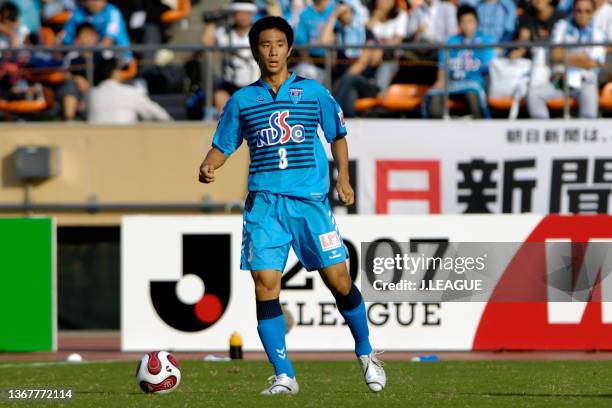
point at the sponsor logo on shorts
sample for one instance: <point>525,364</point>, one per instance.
<point>329,241</point>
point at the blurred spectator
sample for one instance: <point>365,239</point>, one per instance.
<point>358,80</point>
<point>565,6</point>
<point>602,18</point>
<point>466,69</point>
<point>345,26</point>
<point>536,24</point>
<point>106,19</point>
<point>72,92</point>
<point>288,9</point>
<point>239,67</point>
<point>432,21</point>
<point>144,19</point>
<point>30,13</point>
<point>309,30</point>
<point>388,23</point>
<point>112,102</point>
<point>583,64</point>
<point>12,32</point>
<point>54,8</point>
<point>497,19</point>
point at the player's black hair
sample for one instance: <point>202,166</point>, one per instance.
<point>466,9</point>
<point>268,23</point>
<point>84,27</point>
<point>9,11</point>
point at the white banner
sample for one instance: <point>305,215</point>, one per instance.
<point>182,289</point>
<point>450,167</point>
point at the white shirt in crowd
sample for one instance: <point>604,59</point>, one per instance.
<point>239,68</point>
<point>439,18</point>
<point>22,34</point>
<point>114,103</point>
<point>565,32</point>
<point>387,30</point>
<point>602,19</point>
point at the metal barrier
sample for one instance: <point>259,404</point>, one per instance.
<point>205,54</point>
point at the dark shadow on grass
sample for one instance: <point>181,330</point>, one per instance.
<point>523,394</point>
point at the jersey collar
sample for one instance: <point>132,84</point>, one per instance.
<point>283,86</point>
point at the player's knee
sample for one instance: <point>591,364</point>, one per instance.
<point>266,288</point>
<point>342,284</point>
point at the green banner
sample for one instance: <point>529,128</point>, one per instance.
<point>27,284</point>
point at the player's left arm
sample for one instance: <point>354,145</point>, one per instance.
<point>332,123</point>
<point>339,150</point>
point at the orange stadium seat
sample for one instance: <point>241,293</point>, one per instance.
<point>49,76</point>
<point>182,11</point>
<point>60,18</point>
<point>605,99</point>
<point>46,36</point>
<point>24,107</point>
<point>365,104</point>
<point>404,97</point>
<point>45,76</point>
<point>500,103</point>
<point>504,104</point>
<point>558,103</point>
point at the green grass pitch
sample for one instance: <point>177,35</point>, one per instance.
<point>338,384</point>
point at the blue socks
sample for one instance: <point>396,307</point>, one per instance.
<point>352,308</point>
<point>271,328</point>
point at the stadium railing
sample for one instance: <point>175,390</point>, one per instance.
<point>205,56</point>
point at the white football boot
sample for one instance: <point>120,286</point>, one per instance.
<point>373,372</point>
<point>281,384</point>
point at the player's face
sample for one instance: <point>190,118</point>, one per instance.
<point>468,24</point>
<point>273,51</point>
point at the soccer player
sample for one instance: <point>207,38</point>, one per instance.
<point>287,204</point>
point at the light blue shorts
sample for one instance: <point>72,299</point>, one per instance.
<point>273,223</point>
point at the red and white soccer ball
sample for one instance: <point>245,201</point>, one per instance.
<point>158,372</point>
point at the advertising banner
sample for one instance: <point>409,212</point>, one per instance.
<point>182,288</point>
<point>455,167</point>
<point>28,291</point>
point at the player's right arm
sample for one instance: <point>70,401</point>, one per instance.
<point>227,138</point>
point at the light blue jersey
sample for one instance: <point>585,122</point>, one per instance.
<point>310,27</point>
<point>287,157</point>
<point>468,64</point>
<point>108,23</point>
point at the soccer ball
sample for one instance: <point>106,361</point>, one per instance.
<point>158,372</point>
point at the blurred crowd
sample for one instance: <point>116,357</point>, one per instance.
<point>480,83</point>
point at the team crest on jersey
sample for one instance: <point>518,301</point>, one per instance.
<point>296,94</point>
<point>280,131</point>
<point>260,98</point>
